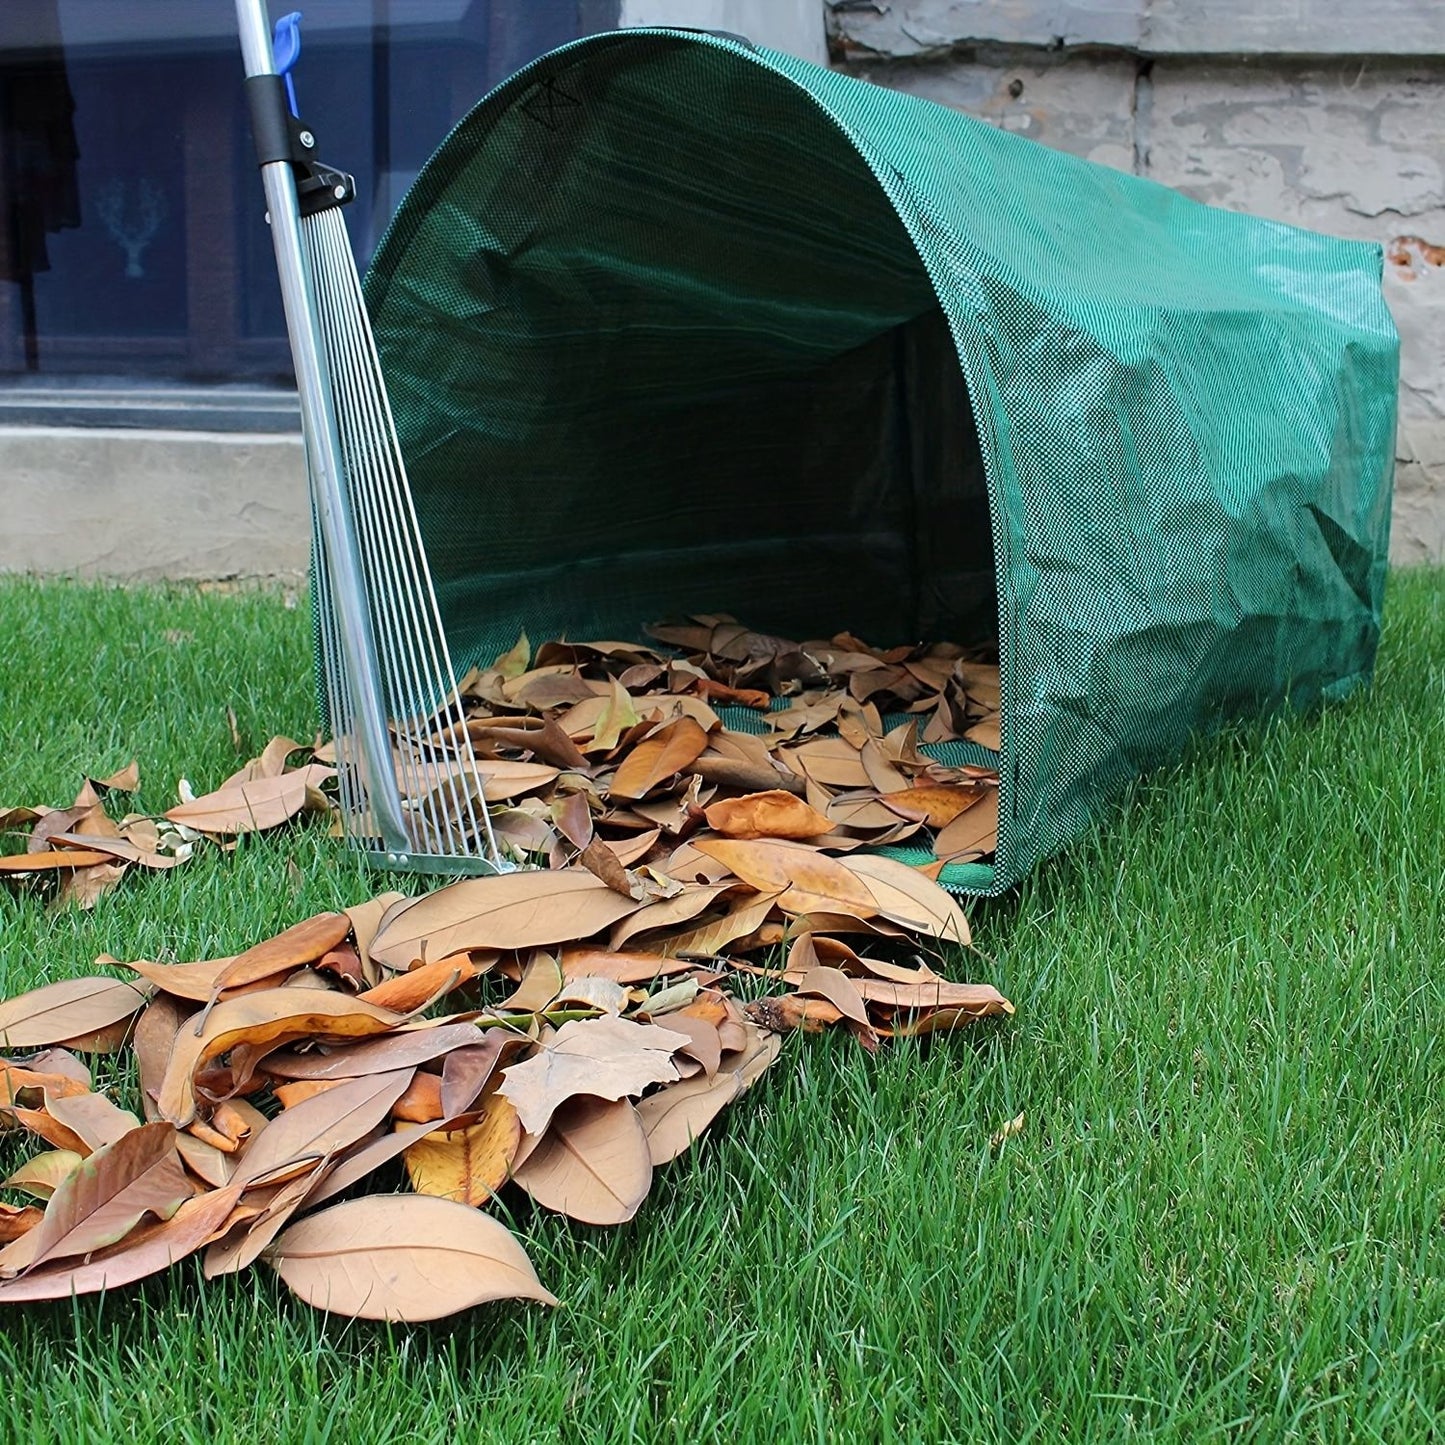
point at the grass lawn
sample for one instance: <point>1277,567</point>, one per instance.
<point>1222,1220</point>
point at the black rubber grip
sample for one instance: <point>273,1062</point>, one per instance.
<point>270,115</point>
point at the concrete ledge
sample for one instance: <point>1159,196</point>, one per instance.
<point>139,505</point>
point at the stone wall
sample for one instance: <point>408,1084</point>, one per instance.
<point>1313,112</point>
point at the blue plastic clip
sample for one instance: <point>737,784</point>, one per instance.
<point>286,48</point>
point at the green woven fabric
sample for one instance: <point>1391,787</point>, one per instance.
<point>671,325</point>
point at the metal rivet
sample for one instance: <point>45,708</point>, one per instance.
<point>307,139</point>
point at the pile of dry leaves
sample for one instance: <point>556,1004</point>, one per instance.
<point>561,1031</point>
<point>616,749</point>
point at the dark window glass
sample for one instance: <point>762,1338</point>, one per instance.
<point>132,241</point>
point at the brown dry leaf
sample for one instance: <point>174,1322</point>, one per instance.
<point>43,1124</point>
<point>512,911</point>
<point>193,981</point>
<point>296,946</point>
<point>593,1164</point>
<point>45,1173</point>
<point>401,1050</point>
<point>674,1117</point>
<point>122,848</point>
<point>289,1095</point>
<point>621,967</point>
<point>503,780</point>
<point>71,1009</point>
<point>668,912</point>
<point>662,756</point>
<point>907,897</point>
<point>709,939</point>
<point>403,1257</point>
<point>17,1220</point>
<point>253,806</point>
<point>85,887</point>
<point>365,919</point>
<point>271,762</point>
<point>938,804</point>
<point>422,1101</point>
<point>774,814</point>
<point>322,1127</point>
<point>32,1086</point>
<point>91,1117</point>
<point>541,983</point>
<point>55,860</point>
<point>154,1038</point>
<point>143,1252</point>
<point>804,881</point>
<point>986,733</point>
<point>471,1164</point>
<point>264,1020</point>
<point>603,994</point>
<point>467,1071</point>
<point>784,1012</point>
<point>833,762</point>
<point>973,834</point>
<point>839,990</point>
<point>608,1058</point>
<point>617,717</point>
<point>407,992</point>
<point>254,1224</point>
<point>979,999</point>
<point>107,1195</point>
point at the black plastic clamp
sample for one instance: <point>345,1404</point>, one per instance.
<point>281,136</point>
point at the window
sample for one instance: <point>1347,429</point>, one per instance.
<point>132,237</point>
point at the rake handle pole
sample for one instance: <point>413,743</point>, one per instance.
<point>324,458</point>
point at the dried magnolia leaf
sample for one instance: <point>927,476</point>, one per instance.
<point>603,994</point>
<point>607,1058</point>
<point>804,881</point>
<point>674,1117</point>
<point>92,1117</point>
<point>263,1020</point>
<point>250,807</point>
<point>45,1173</point>
<point>709,939</point>
<point>143,1252</point>
<point>153,1041</point>
<point>405,1049</point>
<point>466,1071</point>
<point>839,990</point>
<point>31,1086</point>
<point>300,944</point>
<point>662,756</point>
<point>622,967</point>
<point>406,992</point>
<point>85,887</point>
<point>325,1125</point>
<point>511,911</point>
<point>107,1195</point>
<point>72,1009</point>
<point>905,896</point>
<point>541,983</point>
<point>593,1164</point>
<point>43,1124</point>
<point>422,1101</point>
<point>17,1220</point>
<point>193,981</point>
<point>973,833</point>
<point>471,1164</point>
<point>668,912</point>
<point>403,1257</point>
<point>54,860</point>
<point>774,814</point>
